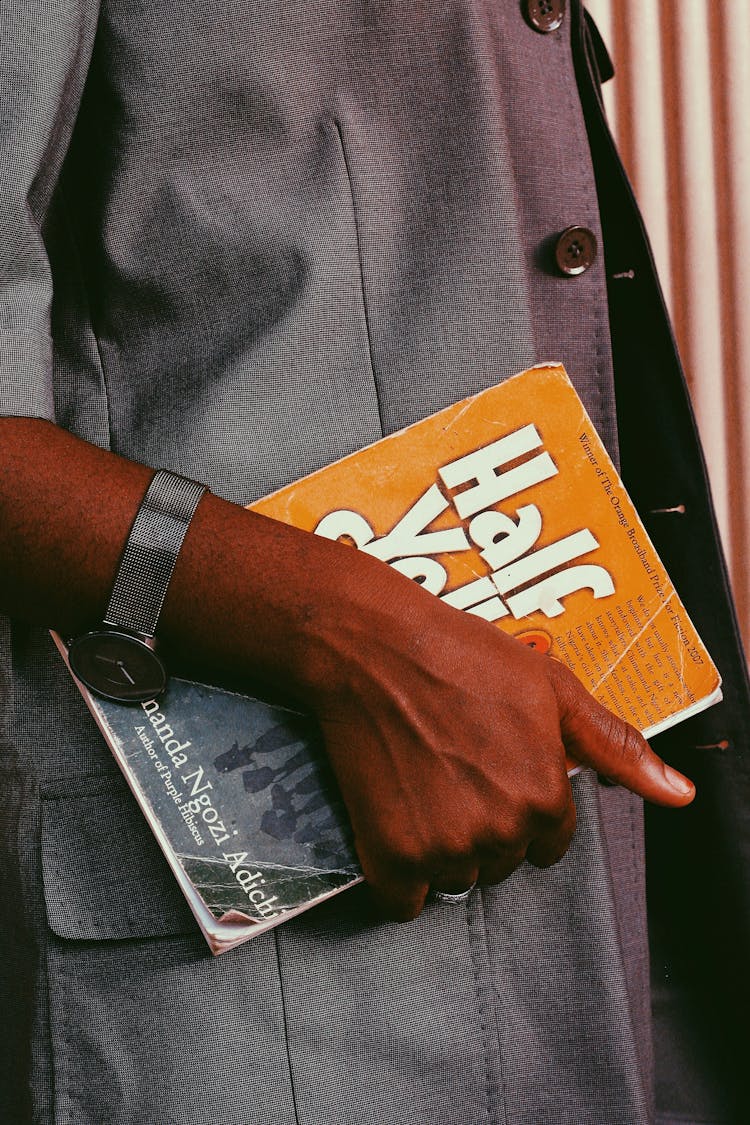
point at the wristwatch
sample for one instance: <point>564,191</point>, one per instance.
<point>119,661</point>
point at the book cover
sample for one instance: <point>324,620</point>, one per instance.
<point>505,505</point>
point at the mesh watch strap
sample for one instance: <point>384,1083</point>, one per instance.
<point>151,552</point>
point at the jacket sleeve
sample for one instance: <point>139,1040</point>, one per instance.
<point>45,50</point>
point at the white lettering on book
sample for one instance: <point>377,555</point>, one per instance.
<point>522,580</point>
<point>172,746</point>
<point>201,804</point>
<point>251,883</point>
<point>410,536</point>
<point>197,809</point>
<point>198,781</point>
<point>501,538</point>
<point>546,595</point>
<point>491,487</point>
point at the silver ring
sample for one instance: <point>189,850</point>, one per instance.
<point>462,896</point>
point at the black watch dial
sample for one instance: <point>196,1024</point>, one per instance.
<point>117,665</point>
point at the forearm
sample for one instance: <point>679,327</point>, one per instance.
<point>237,604</point>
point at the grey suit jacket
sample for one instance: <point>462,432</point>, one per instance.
<point>242,239</point>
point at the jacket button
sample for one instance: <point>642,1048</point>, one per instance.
<point>545,15</point>
<point>575,250</point>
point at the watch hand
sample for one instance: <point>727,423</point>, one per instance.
<point>125,672</point>
<point>100,658</point>
<point>119,664</point>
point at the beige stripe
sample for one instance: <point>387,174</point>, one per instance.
<point>731,36</point>
<point>679,109</point>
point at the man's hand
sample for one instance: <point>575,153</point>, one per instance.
<point>449,741</point>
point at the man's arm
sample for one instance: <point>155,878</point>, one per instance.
<point>447,737</point>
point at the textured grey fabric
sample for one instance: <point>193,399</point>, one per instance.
<point>282,230</point>
<point>43,60</point>
<point>93,833</point>
<point>550,1036</point>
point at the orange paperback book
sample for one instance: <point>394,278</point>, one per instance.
<point>506,506</point>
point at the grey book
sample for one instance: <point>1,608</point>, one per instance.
<point>241,799</point>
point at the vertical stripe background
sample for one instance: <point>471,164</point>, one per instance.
<point>679,107</point>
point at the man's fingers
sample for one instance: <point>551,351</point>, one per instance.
<point>453,879</point>
<point>595,737</point>
<point>550,847</point>
<point>497,868</point>
<point>394,894</point>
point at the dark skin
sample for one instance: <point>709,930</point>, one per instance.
<point>447,737</point>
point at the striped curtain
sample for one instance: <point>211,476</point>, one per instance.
<point>679,106</point>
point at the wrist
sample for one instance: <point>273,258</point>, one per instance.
<point>253,600</point>
<point>119,660</point>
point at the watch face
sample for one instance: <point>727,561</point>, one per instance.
<point>117,666</point>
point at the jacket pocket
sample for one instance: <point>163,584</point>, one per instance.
<point>145,1025</point>
<point>104,874</point>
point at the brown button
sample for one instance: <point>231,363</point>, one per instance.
<point>575,250</point>
<point>545,15</point>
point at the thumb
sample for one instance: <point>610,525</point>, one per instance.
<point>595,737</point>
